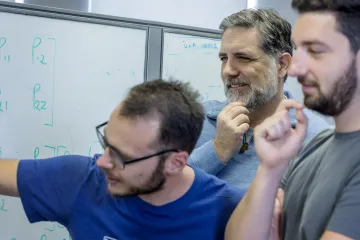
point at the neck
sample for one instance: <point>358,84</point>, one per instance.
<point>266,111</point>
<point>174,188</point>
<point>348,121</point>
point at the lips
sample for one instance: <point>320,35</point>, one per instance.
<point>307,88</point>
<point>237,85</point>
<point>112,180</point>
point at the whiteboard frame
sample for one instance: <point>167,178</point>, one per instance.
<point>130,21</point>
<point>69,15</point>
<point>210,35</point>
<point>154,30</point>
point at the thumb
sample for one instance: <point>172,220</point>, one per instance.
<point>287,104</point>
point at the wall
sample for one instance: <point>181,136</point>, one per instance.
<point>282,6</point>
<point>199,13</point>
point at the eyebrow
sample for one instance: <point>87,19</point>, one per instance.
<point>124,155</point>
<point>238,53</point>
<point>310,42</point>
<point>221,54</point>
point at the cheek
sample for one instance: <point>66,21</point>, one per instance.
<point>327,79</point>
<point>259,76</point>
<point>137,175</point>
<point>329,70</point>
<point>222,74</point>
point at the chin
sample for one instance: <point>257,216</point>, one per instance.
<point>118,190</point>
<point>237,98</point>
<point>310,100</point>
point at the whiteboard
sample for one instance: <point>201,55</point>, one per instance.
<point>195,59</point>
<point>59,79</point>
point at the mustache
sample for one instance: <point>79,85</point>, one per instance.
<point>303,80</point>
<point>236,81</point>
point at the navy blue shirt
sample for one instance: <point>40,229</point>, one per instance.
<point>72,190</point>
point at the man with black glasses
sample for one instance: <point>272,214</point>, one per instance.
<point>141,187</point>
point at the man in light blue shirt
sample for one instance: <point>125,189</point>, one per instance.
<point>255,56</point>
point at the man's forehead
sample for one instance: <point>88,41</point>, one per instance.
<point>239,37</point>
<point>132,135</point>
<point>314,26</point>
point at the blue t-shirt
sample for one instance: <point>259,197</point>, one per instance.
<point>72,190</point>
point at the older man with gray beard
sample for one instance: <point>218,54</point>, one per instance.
<point>255,55</point>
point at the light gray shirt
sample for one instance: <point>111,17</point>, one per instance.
<point>322,188</point>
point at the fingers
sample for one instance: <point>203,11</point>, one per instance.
<point>302,123</point>
<point>242,128</point>
<point>240,119</point>
<point>287,104</point>
<point>231,105</point>
<point>277,126</point>
<point>234,109</point>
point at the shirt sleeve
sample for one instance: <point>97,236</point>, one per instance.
<point>205,158</point>
<point>48,188</point>
<point>345,217</point>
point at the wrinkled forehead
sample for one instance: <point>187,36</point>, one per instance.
<point>240,39</point>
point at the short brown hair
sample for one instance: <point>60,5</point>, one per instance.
<point>347,13</point>
<point>177,104</point>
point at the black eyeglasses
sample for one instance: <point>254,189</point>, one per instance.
<point>116,155</point>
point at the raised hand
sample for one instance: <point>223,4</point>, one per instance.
<point>232,123</point>
<point>276,142</point>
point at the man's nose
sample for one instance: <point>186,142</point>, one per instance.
<point>230,70</point>
<point>105,160</point>
<point>298,65</point>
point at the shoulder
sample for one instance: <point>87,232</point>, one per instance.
<point>313,144</point>
<point>66,161</point>
<point>71,160</point>
<point>75,167</point>
<point>214,107</point>
<point>218,188</point>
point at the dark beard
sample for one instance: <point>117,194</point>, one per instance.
<point>340,96</point>
<point>155,183</point>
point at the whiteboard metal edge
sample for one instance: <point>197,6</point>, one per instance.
<point>68,15</point>
<point>154,53</point>
<point>11,6</point>
<point>216,35</point>
<point>190,32</point>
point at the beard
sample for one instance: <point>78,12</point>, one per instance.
<point>340,96</point>
<point>253,97</point>
<point>154,184</point>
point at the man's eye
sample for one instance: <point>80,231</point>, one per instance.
<point>315,51</point>
<point>223,59</point>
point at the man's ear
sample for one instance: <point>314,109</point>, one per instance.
<point>176,163</point>
<point>284,64</point>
